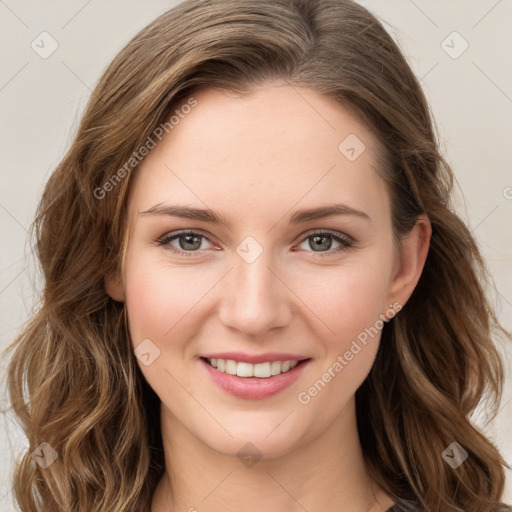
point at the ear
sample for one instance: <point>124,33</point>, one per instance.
<point>410,261</point>
<point>114,287</point>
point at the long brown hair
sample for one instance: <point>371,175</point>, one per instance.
<point>73,379</point>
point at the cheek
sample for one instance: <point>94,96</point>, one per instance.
<point>350,302</point>
<point>347,299</point>
<point>352,311</point>
<point>160,304</point>
<point>157,299</point>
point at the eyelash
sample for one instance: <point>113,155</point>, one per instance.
<point>345,241</point>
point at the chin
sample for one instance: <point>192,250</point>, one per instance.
<point>253,444</point>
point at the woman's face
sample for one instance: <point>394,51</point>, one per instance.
<point>271,280</point>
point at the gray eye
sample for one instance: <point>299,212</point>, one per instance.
<point>320,242</point>
<point>190,242</point>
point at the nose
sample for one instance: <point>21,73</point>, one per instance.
<point>254,298</point>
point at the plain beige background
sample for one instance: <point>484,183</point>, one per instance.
<point>461,51</point>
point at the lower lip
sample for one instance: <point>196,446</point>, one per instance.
<point>254,388</point>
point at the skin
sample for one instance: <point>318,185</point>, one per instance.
<point>256,159</point>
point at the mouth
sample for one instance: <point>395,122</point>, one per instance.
<point>262,370</point>
<point>253,381</point>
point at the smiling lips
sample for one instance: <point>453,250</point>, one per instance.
<point>260,370</point>
<point>253,377</point>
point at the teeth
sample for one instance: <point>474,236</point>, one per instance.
<point>261,370</point>
<point>275,367</point>
<point>231,367</point>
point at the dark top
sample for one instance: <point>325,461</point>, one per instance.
<point>407,506</point>
<point>397,507</point>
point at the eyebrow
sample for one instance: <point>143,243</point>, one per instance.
<point>207,215</point>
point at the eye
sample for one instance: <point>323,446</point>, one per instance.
<point>322,240</point>
<point>188,242</point>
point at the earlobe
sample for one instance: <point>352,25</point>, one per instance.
<point>114,287</point>
<point>411,260</point>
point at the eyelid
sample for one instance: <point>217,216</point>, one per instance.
<point>165,238</point>
<point>345,240</point>
<point>335,234</point>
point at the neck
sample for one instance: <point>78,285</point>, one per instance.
<point>326,473</point>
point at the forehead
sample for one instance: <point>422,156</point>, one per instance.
<point>262,152</point>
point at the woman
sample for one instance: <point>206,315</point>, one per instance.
<point>257,295</point>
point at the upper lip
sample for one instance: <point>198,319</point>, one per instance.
<point>240,357</point>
